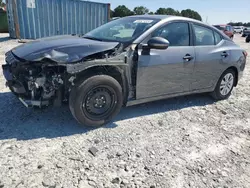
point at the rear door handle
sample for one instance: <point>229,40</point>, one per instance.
<point>188,57</point>
<point>224,54</point>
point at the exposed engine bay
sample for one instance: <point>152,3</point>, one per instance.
<point>37,84</point>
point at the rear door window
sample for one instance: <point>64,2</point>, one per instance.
<point>203,36</point>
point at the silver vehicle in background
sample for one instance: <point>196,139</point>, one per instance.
<point>125,62</point>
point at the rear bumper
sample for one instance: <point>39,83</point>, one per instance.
<point>240,75</point>
<point>241,68</point>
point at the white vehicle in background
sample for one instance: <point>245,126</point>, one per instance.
<point>238,29</point>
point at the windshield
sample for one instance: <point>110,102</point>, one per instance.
<point>122,30</point>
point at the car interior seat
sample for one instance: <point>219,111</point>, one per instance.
<point>207,40</point>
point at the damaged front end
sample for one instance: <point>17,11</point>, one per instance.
<point>34,83</point>
<point>45,77</point>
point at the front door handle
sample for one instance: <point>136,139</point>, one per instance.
<point>188,57</point>
<point>224,54</point>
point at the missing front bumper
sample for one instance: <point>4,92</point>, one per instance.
<point>33,103</point>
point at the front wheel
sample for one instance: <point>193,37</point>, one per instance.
<point>225,85</point>
<point>96,101</point>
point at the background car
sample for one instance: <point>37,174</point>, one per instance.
<point>246,32</point>
<point>238,29</point>
<point>248,38</point>
<point>227,29</point>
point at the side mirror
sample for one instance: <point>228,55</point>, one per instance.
<point>158,43</point>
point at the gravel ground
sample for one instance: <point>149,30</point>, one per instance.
<point>182,142</point>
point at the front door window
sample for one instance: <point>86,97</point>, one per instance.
<point>176,33</point>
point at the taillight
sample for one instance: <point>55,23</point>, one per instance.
<point>245,54</point>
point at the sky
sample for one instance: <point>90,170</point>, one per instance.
<point>214,11</point>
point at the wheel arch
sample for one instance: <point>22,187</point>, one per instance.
<point>236,74</point>
<point>117,72</point>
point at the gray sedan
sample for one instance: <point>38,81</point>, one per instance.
<point>127,61</point>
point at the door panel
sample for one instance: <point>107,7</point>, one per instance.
<point>162,72</point>
<point>208,66</point>
<point>211,56</point>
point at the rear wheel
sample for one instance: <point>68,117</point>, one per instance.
<point>96,101</point>
<point>225,85</point>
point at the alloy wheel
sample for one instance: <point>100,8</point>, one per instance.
<point>226,84</point>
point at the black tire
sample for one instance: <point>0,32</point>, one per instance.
<point>216,94</point>
<point>82,102</point>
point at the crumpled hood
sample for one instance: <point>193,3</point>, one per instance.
<point>62,49</point>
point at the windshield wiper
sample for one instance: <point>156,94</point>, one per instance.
<point>92,38</point>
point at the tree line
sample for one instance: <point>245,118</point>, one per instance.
<point>239,24</point>
<point>2,4</point>
<point>122,11</point>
